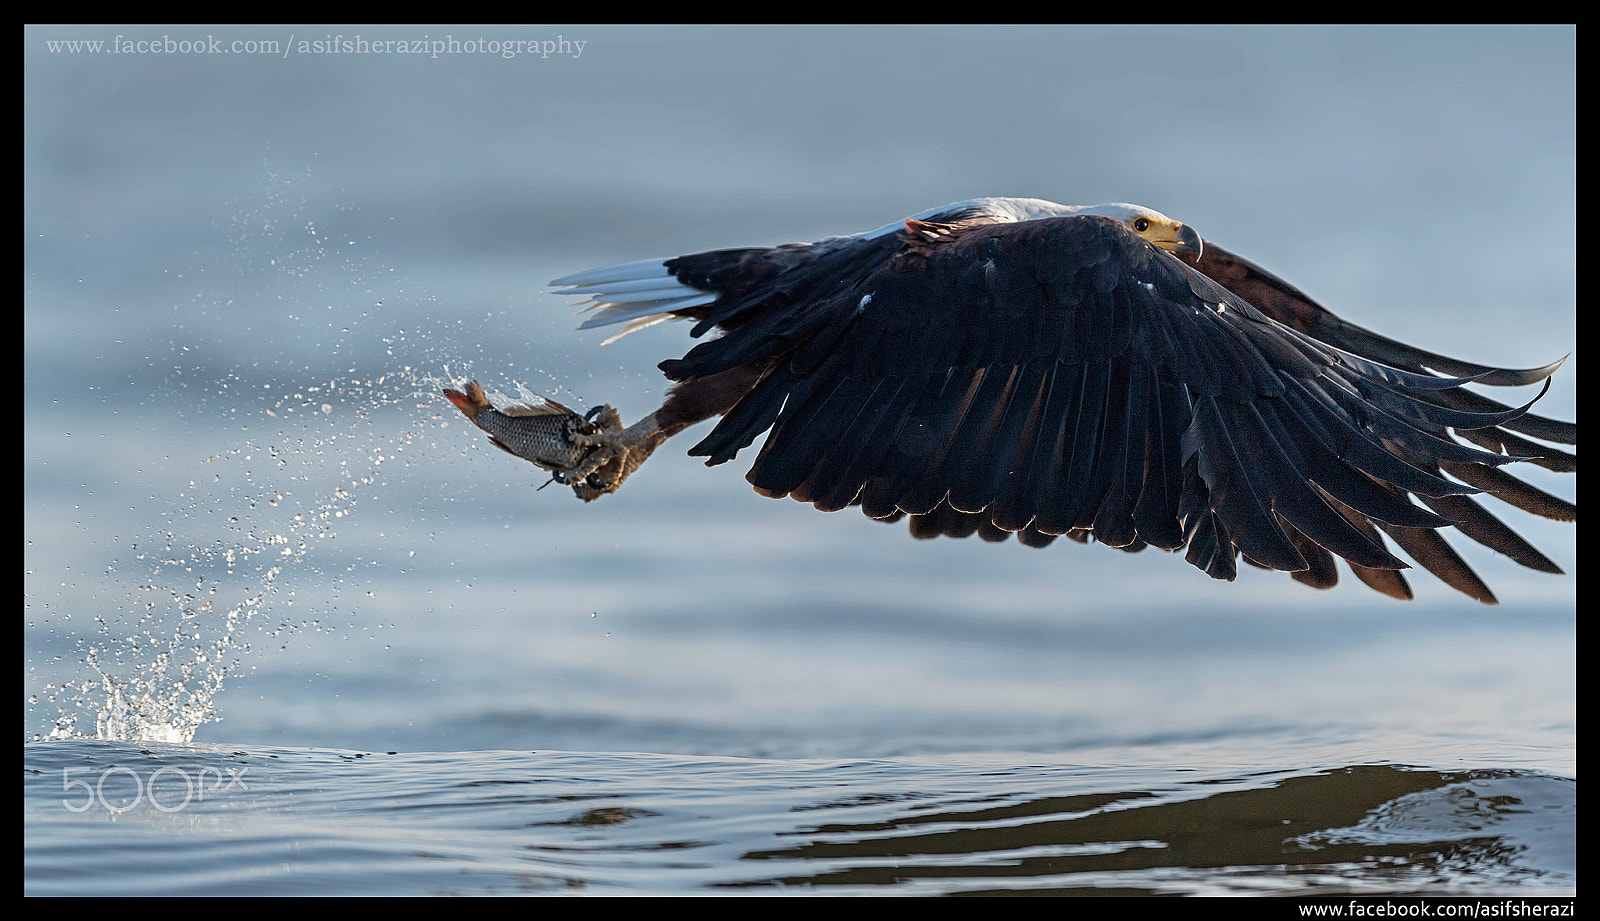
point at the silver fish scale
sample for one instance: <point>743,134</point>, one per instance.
<point>543,439</point>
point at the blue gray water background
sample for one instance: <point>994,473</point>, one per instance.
<point>251,522</point>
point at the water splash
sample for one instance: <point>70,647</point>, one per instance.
<point>202,607</point>
<point>285,362</point>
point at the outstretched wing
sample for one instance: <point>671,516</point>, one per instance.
<point>1062,376</point>
<point>1288,305</point>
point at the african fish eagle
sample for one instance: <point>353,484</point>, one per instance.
<point>1014,366</point>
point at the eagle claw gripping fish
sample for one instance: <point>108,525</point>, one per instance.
<point>579,450</point>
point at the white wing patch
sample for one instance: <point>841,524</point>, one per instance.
<point>638,294</point>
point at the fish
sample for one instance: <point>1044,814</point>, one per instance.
<point>546,433</point>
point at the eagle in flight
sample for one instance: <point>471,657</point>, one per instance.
<point>1014,366</point>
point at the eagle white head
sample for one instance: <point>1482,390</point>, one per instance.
<point>1155,227</point>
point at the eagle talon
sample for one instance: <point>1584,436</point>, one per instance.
<point>592,453</point>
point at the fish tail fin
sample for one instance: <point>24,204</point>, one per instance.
<point>470,403</point>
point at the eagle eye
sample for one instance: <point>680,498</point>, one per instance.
<point>1141,224</point>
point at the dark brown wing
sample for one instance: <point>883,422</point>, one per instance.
<point>1062,376</point>
<point>1289,305</point>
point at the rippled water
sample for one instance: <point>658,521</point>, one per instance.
<point>292,626</point>
<point>208,820</point>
